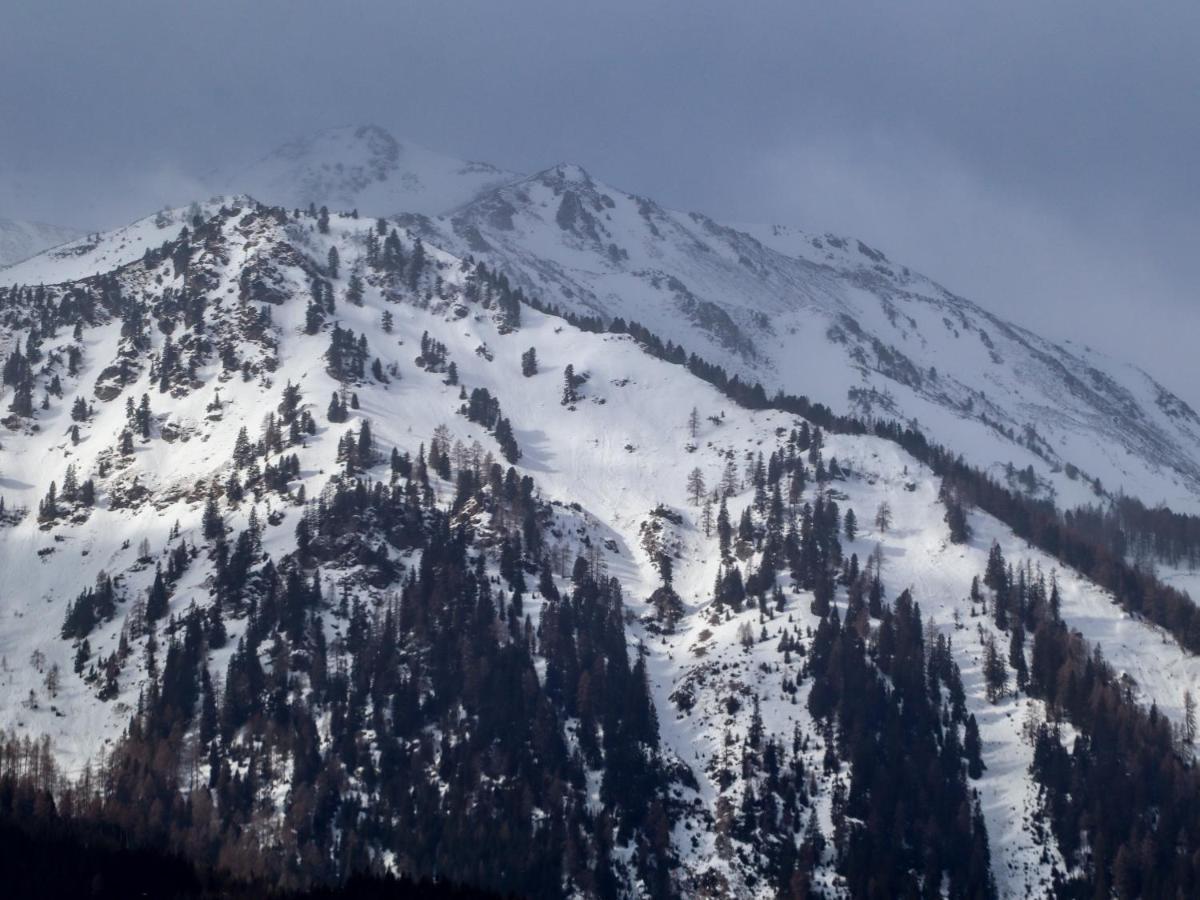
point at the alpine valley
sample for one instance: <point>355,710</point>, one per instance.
<point>387,513</point>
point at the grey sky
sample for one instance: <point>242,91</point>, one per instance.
<point>1040,158</point>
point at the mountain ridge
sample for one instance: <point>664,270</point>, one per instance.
<point>362,166</point>
<point>19,240</point>
<point>316,527</point>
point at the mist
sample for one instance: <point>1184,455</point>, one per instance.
<point>1039,160</point>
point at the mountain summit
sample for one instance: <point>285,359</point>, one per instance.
<point>365,168</point>
<point>820,314</point>
<point>419,544</point>
<point>835,319</point>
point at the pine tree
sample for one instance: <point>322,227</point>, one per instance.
<point>569,396</point>
<point>366,445</point>
<point>332,262</point>
<point>724,529</point>
<point>995,673</point>
<point>213,525</point>
<point>48,508</point>
<point>22,402</point>
<point>956,515</point>
<point>529,364</point>
<point>83,652</point>
<point>995,574</point>
<point>973,749</point>
<point>337,410</point>
<point>314,316</point>
<point>208,708</point>
<point>1016,654</point>
<point>157,600</point>
<point>507,441</point>
<point>70,485</point>
<point>416,265</point>
<point>243,452</point>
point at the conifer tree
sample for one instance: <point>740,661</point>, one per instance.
<point>212,524</point>
<point>569,396</point>
<point>156,601</point>
<point>973,749</point>
<point>529,365</point>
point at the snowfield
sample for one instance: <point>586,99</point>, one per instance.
<point>622,450</point>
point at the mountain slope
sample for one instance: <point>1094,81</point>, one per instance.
<point>213,327</point>
<point>776,304</point>
<point>20,240</point>
<point>835,318</point>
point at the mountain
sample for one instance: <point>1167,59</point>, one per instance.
<point>836,320</point>
<point>20,240</point>
<point>363,168</point>
<point>326,550</point>
<point>816,314</point>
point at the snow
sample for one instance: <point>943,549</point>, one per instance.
<point>362,168</point>
<point>831,318</point>
<point>619,453</point>
<point>21,240</point>
<point>87,256</point>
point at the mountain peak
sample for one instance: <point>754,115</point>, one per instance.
<point>337,145</point>
<point>563,177</point>
<point>364,167</point>
<point>568,173</point>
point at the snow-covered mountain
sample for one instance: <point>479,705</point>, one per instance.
<point>818,314</point>
<point>238,462</point>
<point>362,168</point>
<point>21,240</point>
<point>836,320</point>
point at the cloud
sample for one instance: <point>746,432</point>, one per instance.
<point>1107,283</point>
<point>1039,158</point>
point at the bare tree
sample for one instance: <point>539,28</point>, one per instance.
<point>883,517</point>
<point>745,635</point>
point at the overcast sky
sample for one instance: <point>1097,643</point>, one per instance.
<point>1038,157</point>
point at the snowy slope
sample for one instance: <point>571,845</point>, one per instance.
<point>20,240</point>
<point>778,305</point>
<point>832,318</point>
<point>83,257</point>
<point>363,168</point>
<point>622,451</point>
